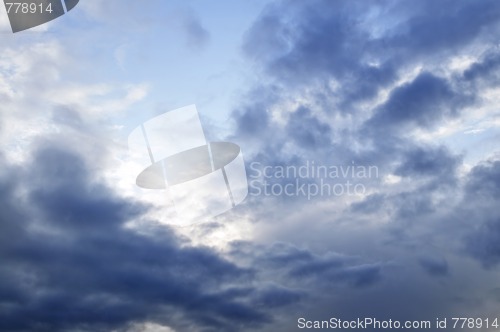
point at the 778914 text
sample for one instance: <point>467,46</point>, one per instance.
<point>371,323</point>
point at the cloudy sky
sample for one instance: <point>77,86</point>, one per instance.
<point>409,89</point>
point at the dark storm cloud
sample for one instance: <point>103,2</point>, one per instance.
<point>68,263</point>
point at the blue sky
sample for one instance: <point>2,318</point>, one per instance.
<point>410,88</point>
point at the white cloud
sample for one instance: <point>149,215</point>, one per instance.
<point>149,327</point>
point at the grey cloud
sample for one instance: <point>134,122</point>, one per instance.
<point>370,204</point>
<point>64,115</point>
<point>429,161</point>
<point>306,130</point>
<point>275,296</point>
<point>196,35</point>
<point>418,101</point>
<point>299,43</point>
<point>357,276</point>
<point>430,185</point>
<point>268,38</point>
<point>486,69</point>
<point>480,210</point>
<point>307,45</point>
<point>302,43</point>
<point>335,57</point>
<point>60,188</point>
<point>424,102</point>
<point>431,173</point>
<point>413,205</point>
<point>434,266</point>
<point>444,27</point>
<point>483,243</point>
<point>69,264</point>
<point>253,117</point>
<point>321,40</point>
<point>484,181</point>
<point>304,267</point>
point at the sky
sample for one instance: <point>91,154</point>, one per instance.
<point>370,136</point>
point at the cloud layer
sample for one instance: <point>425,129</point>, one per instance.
<point>407,87</point>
